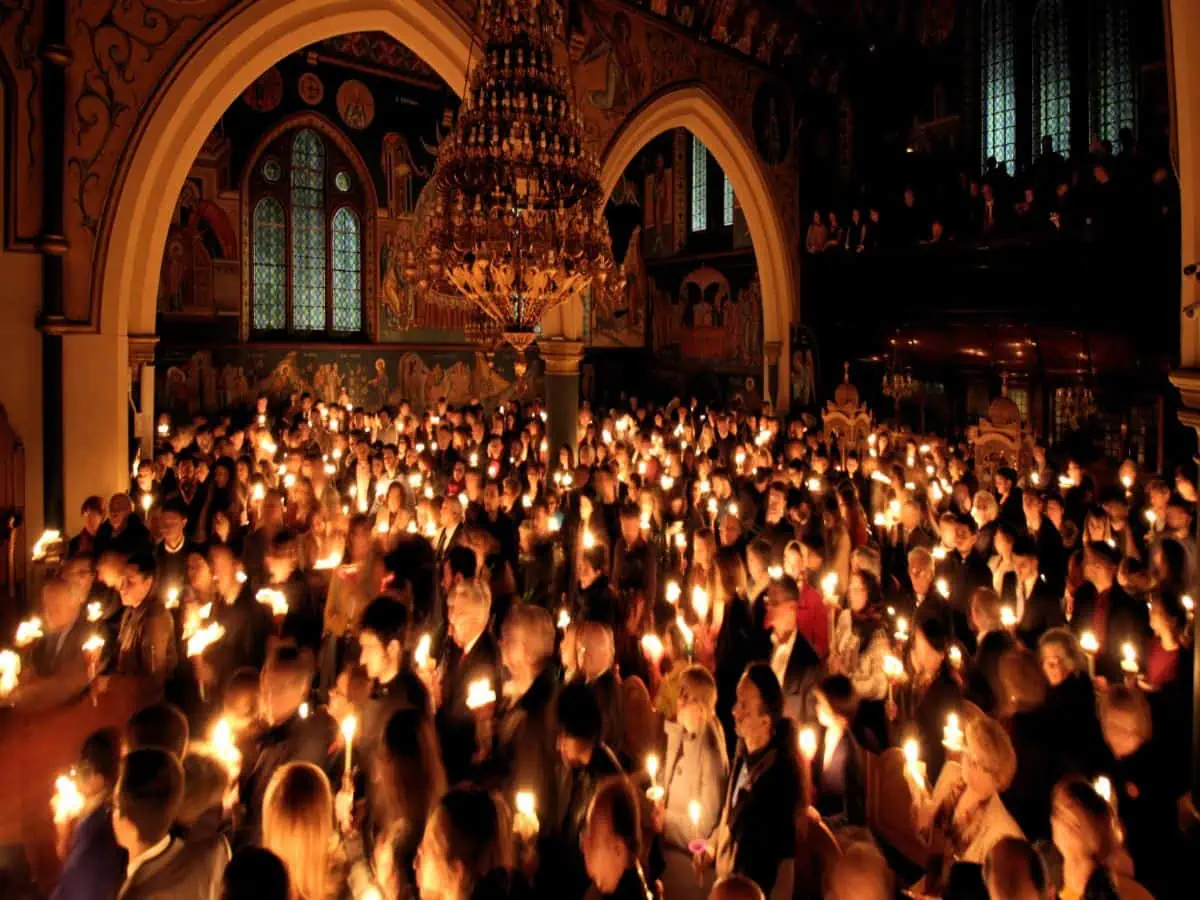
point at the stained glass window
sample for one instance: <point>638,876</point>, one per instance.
<point>1112,70</point>
<point>308,232</point>
<point>999,83</point>
<point>270,273</point>
<point>342,181</point>
<point>699,185</point>
<point>1051,77</point>
<point>347,271</point>
<point>727,202</point>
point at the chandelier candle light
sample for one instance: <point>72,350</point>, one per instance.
<point>512,223</point>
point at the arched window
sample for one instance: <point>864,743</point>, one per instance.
<point>1051,77</point>
<point>1112,70</point>
<point>306,238</point>
<point>699,185</point>
<point>998,83</point>
<point>726,201</point>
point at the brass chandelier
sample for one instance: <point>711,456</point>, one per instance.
<point>511,223</point>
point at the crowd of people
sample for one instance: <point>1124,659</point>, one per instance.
<point>424,654</point>
<point>1120,197</point>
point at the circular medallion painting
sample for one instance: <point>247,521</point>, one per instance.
<point>266,92</point>
<point>311,89</point>
<point>355,104</point>
<point>342,181</point>
<point>772,124</point>
<point>272,170</point>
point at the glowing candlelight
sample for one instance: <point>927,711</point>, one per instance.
<point>332,561</point>
<point>348,727</point>
<point>943,587</point>
<point>223,746</point>
<point>1089,643</point>
<point>1065,482</point>
<point>1127,480</point>
<point>422,651</point>
<point>956,656</point>
<point>902,629</point>
<point>464,500</point>
<point>480,693</point>
<point>382,527</point>
<point>147,502</point>
<point>1103,787</point>
<point>10,672</point>
<point>303,711</point>
<point>880,520</point>
<point>685,631</point>
<point>1129,658</point>
<point>732,509</point>
<point>808,742</point>
<point>652,647</point>
<point>1188,603</point>
<point>680,541</point>
<point>1008,617</point>
<point>939,552</point>
<point>1151,517</point>
<point>526,821</point>
<point>67,802</point>
<point>205,638</point>
<point>172,600</point>
<point>277,600</point>
<point>48,537</point>
<point>814,485</point>
<point>881,477</point>
<point>240,577</point>
<point>952,734</point>
<point>694,810</point>
<point>912,760</point>
<point>775,572</point>
<point>95,610</point>
<point>893,667</point>
<point>589,539</point>
<point>1035,478</point>
<point>652,768</point>
<point>258,493</point>
<point>712,506</point>
<point>29,631</point>
<point>700,602</point>
<point>829,585</point>
<point>564,619</point>
<point>93,645</point>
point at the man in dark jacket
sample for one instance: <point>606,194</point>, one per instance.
<point>1034,603</point>
<point>95,864</point>
<point>1103,608</point>
<point>583,764</point>
<point>756,834</point>
<point>635,559</point>
<point>929,695</point>
<point>597,600</point>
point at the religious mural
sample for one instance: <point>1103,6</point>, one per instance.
<point>707,321</point>
<point>200,268</point>
<point>192,380</point>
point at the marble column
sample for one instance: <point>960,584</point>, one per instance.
<point>562,393</point>
<point>1183,45</point>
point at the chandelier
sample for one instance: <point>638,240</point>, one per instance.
<point>511,223</point>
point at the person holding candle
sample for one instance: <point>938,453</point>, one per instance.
<point>920,600</point>
<point>1034,600</point>
<point>58,669</point>
<point>963,817</point>
<point>394,685</point>
<point>756,831</point>
<point>172,551</point>
<point>932,693</point>
<point>467,849</point>
<point>93,864</point>
<point>1071,705</point>
<point>695,771</point>
<point>793,660</point>
<point>612,843</point>
<point>1022,710</point>
<point>634,556</point>
<point>837,769</point>
<point>597,659</point>
<point>1085,834</point>
<point>471,655</point>
<point>1103,607</point>
<point>146,641</point>
<point>858,649</point>
<point>1051,555</point>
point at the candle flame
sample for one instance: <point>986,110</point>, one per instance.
<point>10,671</point>
<point>480,693</point>
<point>48,537</point>
<point>29,631</point>
<point>808,742</point>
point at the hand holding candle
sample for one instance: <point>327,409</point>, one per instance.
<point>952,734</point>
<point>655,792</point>
<point>808,742</point>
<point>525,823</point>
<point>67,802</point>
<point>348,728</point>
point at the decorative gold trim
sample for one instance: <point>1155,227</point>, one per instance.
<point>1187,382</point>
<point>561,357</point>
<point>141,349</point>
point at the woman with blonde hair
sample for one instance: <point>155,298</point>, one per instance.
<point>964,816</point>
<point>297,826</point>
<point>1085,832</point>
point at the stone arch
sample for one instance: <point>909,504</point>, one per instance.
<point>218,66</point>
<point>695,108</point>
<point>370,212</point>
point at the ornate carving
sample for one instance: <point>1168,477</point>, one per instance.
<point>19,22</point>
<point>141,350</point>
<point>846,417</point>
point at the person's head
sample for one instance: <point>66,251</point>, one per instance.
<point>92,513</point>
<point>283,556</point>
<point>985,609</point>
<point>783,598</point>
<point>382,631</point>
<point>60,605</point>
<point>173,520</point>
<point>596,649</point>
<point>460,565</point>
<point>697,705</point>
<point>138,579</point>
<point>205,781</point>
<point>1082,823</point>
<point>297,826</point>
<point>466,838</point>
<point>863,592</point>
<point>1168,617</point>
<point>1012,870</point>
<point>1025,557</point>
<point>120,507</point>
<point>612,835</point>
<point>1100,565</point>
<point>580,724</point>
<point>527,642</point>
<point>468,608</point>
<point>736,887</point>
<point>929,645</point>
<point>285,682</point>
<point>860,873</point>
<point>989,761</point>
<point>255,873</point>
<point>99,763</point>
<point>836,702</point>
<point>758,706</point>
<point>1023,685</point>
<point>592,562</point>
<point>920,570</point>
<point>1060,655</point>
<point>1125,720</point>
<point>149,789</point>
<point>161,725</point>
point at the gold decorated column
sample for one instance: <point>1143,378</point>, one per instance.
<point>562,359</point>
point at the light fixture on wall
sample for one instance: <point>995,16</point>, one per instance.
<point>511,223</point>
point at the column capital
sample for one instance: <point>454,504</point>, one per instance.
<point>771,350</point>
<point>561,357</point>
<point>141,349</point>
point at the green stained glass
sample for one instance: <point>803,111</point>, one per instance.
<point>1112,70</point>
<point>699,185</point>
<point>342,181</point>
<point>1051,77</point>
<point>347,271</point>
<point>308,232</point>
<point>727,202</point>
<point>270,275</point>
<point>998,81</point>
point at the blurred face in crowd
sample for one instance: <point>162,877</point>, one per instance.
<point>119,508</point>
<point>172,527</point>
<point>1055,663</point>
<point>751,720</point>
<point>379,661</point>
<point>604,854</point>
<point>281,693</point>
<point>135,587</point>
<point>1122,732</point>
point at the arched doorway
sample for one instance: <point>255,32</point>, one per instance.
<point>218,67</point>
<point>696,109</point>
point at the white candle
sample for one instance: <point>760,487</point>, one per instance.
<point>348,727</point>
<point>808,742</point>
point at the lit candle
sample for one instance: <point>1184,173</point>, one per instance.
<point>1008,617</point>
<point>652,647</point>
<point>686,632</point>
<point>147,502</point>
<point>655,791</point>
<point>700,602</point>
<point>95,610</point>
<point>204,638</point>
<point>480,693</point>
<point>952,734</point>
<point>93,645</point>
<point>526,821</point>
<point>666,482</point>
<point>10,671</point>
<point>1129,658</point>
<point>943,587</point>
<point>893,668</point>
<point>421,653</point>
<point>1090,646</point>
<point>277,600</point>
<point>673,592</point>
<point>48,537</point>
<point>939,552</point>
<point>29,631</point>
<point>680,541</point>
<point>67,802</point>
<point>902,629</point>
<point>956,657</point>
<point>1103,786</point>
<point>172,597</point>
<point>304,710</point>
<point>775,572</point>
<point>224,747</point>
<point>829,585</point>
<point>912,760</point>
<point>348,727</point>
<point>814,485</point>
<point>589,539</point>
<point>564,618</point>
<point>332,561</point>
<point>808,742</point>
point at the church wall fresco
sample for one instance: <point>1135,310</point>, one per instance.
<point>191,380</point>
<point>123,51</point>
